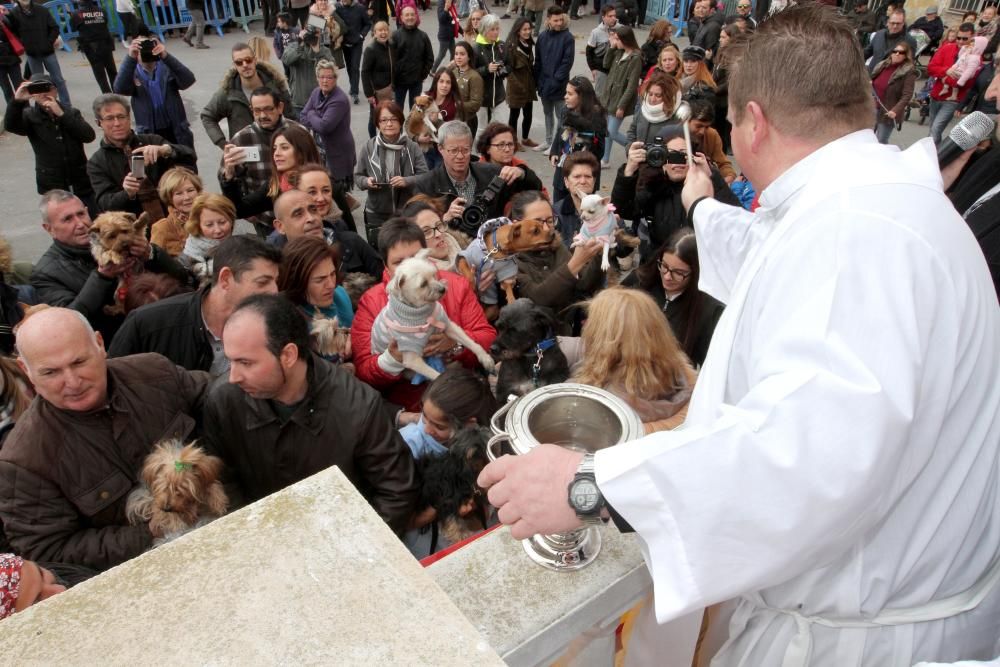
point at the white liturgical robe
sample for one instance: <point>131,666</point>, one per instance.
<point>836,480</point>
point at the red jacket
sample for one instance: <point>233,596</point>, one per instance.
<point>942,61</point>
<point>462,307</point>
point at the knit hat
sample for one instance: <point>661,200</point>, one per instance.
<point>10,583</point>
<point>693,53</point>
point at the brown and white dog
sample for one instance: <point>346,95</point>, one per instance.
<point>111,236</point>
<point>424,117</point>
<point>180,490</point>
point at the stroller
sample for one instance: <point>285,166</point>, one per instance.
<point>922,101</point>
<point>923,42</point>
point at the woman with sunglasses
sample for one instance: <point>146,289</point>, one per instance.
<point>893,80</point>
<point>670,276</point>
<point>652,194</point>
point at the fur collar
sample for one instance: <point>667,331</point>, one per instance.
<point>267,72</point>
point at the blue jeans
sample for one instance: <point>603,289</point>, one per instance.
<point>50,64</point>
<point>941,114</point>
<point>614,124</point>
<point>552,110</point>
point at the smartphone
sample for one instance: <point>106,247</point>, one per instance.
<point>146,51</point>
<point>138,167</point>
<point>37,87</point>
<point>251,153</point>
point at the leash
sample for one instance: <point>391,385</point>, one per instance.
<point>540,349</point>
<point>122,291</point>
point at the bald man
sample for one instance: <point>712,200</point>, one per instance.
<point>296,214</point>
<point>71,460</point>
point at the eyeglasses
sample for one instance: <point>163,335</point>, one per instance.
<point>550,221</point>
<point>679,274</point>
<point>742,6</point>
<point>387,121</point>
<point>244,61</point>
<point>118,118</point>
<point>455,152</point>
<point>439,228</point>
<point>505,145</point>
<point>962,39</point>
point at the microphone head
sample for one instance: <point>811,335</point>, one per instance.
<point>683,112</point>
<point>971,130</point>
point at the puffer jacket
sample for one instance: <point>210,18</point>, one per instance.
<point>553,62</point>
<point>65,476</point>
<point>60,161</point>
<point>341,422</point>
<point>462,307</point>
<point>493,86</point>
<point>230,103</point>
<point>412,56</point>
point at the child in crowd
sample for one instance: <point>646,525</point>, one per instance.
<point>458,397</point>
<point>970,59</point>
<point>283,36</point>
<point>210,223</point>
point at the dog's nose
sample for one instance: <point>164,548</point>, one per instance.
<point>167,507</point>
<point>494,349</point>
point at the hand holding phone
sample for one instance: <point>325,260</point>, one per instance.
<point>138,166</point>
<point>251,154</point>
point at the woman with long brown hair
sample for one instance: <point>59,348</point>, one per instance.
<point>658,97</point>
<point>629,350</point>
<point>659,37</point>
<point>447,96</point>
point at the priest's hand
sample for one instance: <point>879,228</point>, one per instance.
<point>531,492</point>
<point>698,182</point>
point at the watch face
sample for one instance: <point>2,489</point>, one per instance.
<point>585,496</point>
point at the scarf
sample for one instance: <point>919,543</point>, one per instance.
<point>456,23</point>
<point>654,113</point>
<point>156,86</point>
<point>199,247</point>
<point>384,158</point>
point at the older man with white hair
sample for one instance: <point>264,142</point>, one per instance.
<point>71,460</point>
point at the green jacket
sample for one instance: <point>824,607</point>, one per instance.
<point>622,86</point>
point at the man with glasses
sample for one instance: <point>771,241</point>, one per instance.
<point>232,100</point>
<point>887,39</point>
<point>744,11</point>
<point>942,68</point>
<point>267,108</point>
<point>462,180</point>
<point>110,167</point>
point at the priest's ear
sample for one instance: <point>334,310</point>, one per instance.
<point>759,126</point>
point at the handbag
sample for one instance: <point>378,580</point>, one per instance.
<point>12,39</point>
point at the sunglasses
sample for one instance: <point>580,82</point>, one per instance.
<point>962,39</point>
<point>900,53</point>
<point>676,157</point>
<point>243,61</point>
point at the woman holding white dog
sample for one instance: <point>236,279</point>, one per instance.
<point>384,164</point>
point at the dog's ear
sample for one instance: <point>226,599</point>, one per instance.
<point>397,281</point>
<point>515,231</point>
<point>141,222</point>
<point>424,253</point>
<point>581,194</point>
<point>605,201</point>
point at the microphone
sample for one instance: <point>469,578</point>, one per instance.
<point>971,130</point>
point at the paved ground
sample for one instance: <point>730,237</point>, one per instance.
<point>20,221</point>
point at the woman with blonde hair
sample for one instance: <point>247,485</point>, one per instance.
<point>629,350</point>
<point>209,224</point>
<point>177,188</point>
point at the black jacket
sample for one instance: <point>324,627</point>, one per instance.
<point>356,256</point>
<point>60,161</point>
<point>708,33</point>
<point>436,182</point>
<point>108,165</point>
<point>172,327</point>
<point>446,24</point>
<point>67,276</point>
<point>36,29</point>
<point>493,87</point>
<point>376,68</point>
<point>412,57</point>
<point>7,55</point>
<point>340,422</point>
<point>355,18</point>
<point>92,25</point>
<point>934,29</point>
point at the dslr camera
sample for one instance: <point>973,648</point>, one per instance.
<point>146,50</point>
<point>656,153</point>
<point>502,70</point>
<point>311,38</point>
<point>477,212</point>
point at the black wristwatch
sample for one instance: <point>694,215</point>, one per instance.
<point>584,496</point>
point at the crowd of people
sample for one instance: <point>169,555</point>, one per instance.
<point>200,332</point>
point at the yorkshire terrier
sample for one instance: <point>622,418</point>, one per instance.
<point>180,490</point>
<point>111,237</point>
<point>332,341</point>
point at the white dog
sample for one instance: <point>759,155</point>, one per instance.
<point>598,218</point>
<point>414,313</point>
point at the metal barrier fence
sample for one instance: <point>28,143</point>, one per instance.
<point>675,11</point>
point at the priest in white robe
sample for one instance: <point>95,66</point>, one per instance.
<point>836,480</point>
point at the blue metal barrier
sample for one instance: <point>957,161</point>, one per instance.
<point>675,11</point>
<point>163,15</point>
<point>114,21</point>
<point>218,13</point>
<point>245,11</point>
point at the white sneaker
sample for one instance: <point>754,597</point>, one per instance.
<point>541,148</point>
<point>605,164</point>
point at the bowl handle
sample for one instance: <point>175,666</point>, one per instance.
<point>499,414</point>
<point>495,440</point>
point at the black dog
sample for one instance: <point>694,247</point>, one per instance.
<point>528,350</point>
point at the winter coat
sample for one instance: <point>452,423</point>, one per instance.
<point>436,182</point>
<point>301,60</point>
<point>598,45</point>
<point>622,87</point>
<point>356,256</point>
<point>7,55</point>
<point>230,103</point>
<point>934,29</point>
<point>521,77</point>
<point>178,78</point>
<point>708,33</point>
<point>651,52</point>
<point>643,130</point>
<point>627,11</point>
<point>882,45</point>
<point>356,22</point>
<point>553,62</point>
<point>898,93</point>
<point>173,327</point>
<point>470,87</point>
<point>66,276</point>
<point>91,24</point>
<point>376,68</point>
<point>108,165</point>
<point>330,118</point>
<point>36,29</point>
<point>412,56</point>
<point>938,67</point>
<point>384,201</point>
<point>461,306</point>
<point>543,276</point>
<point>446,24</point>
<point>340,421</point>
<point>60,161</point>
<point>65,476</point>
<point>493,88</point>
